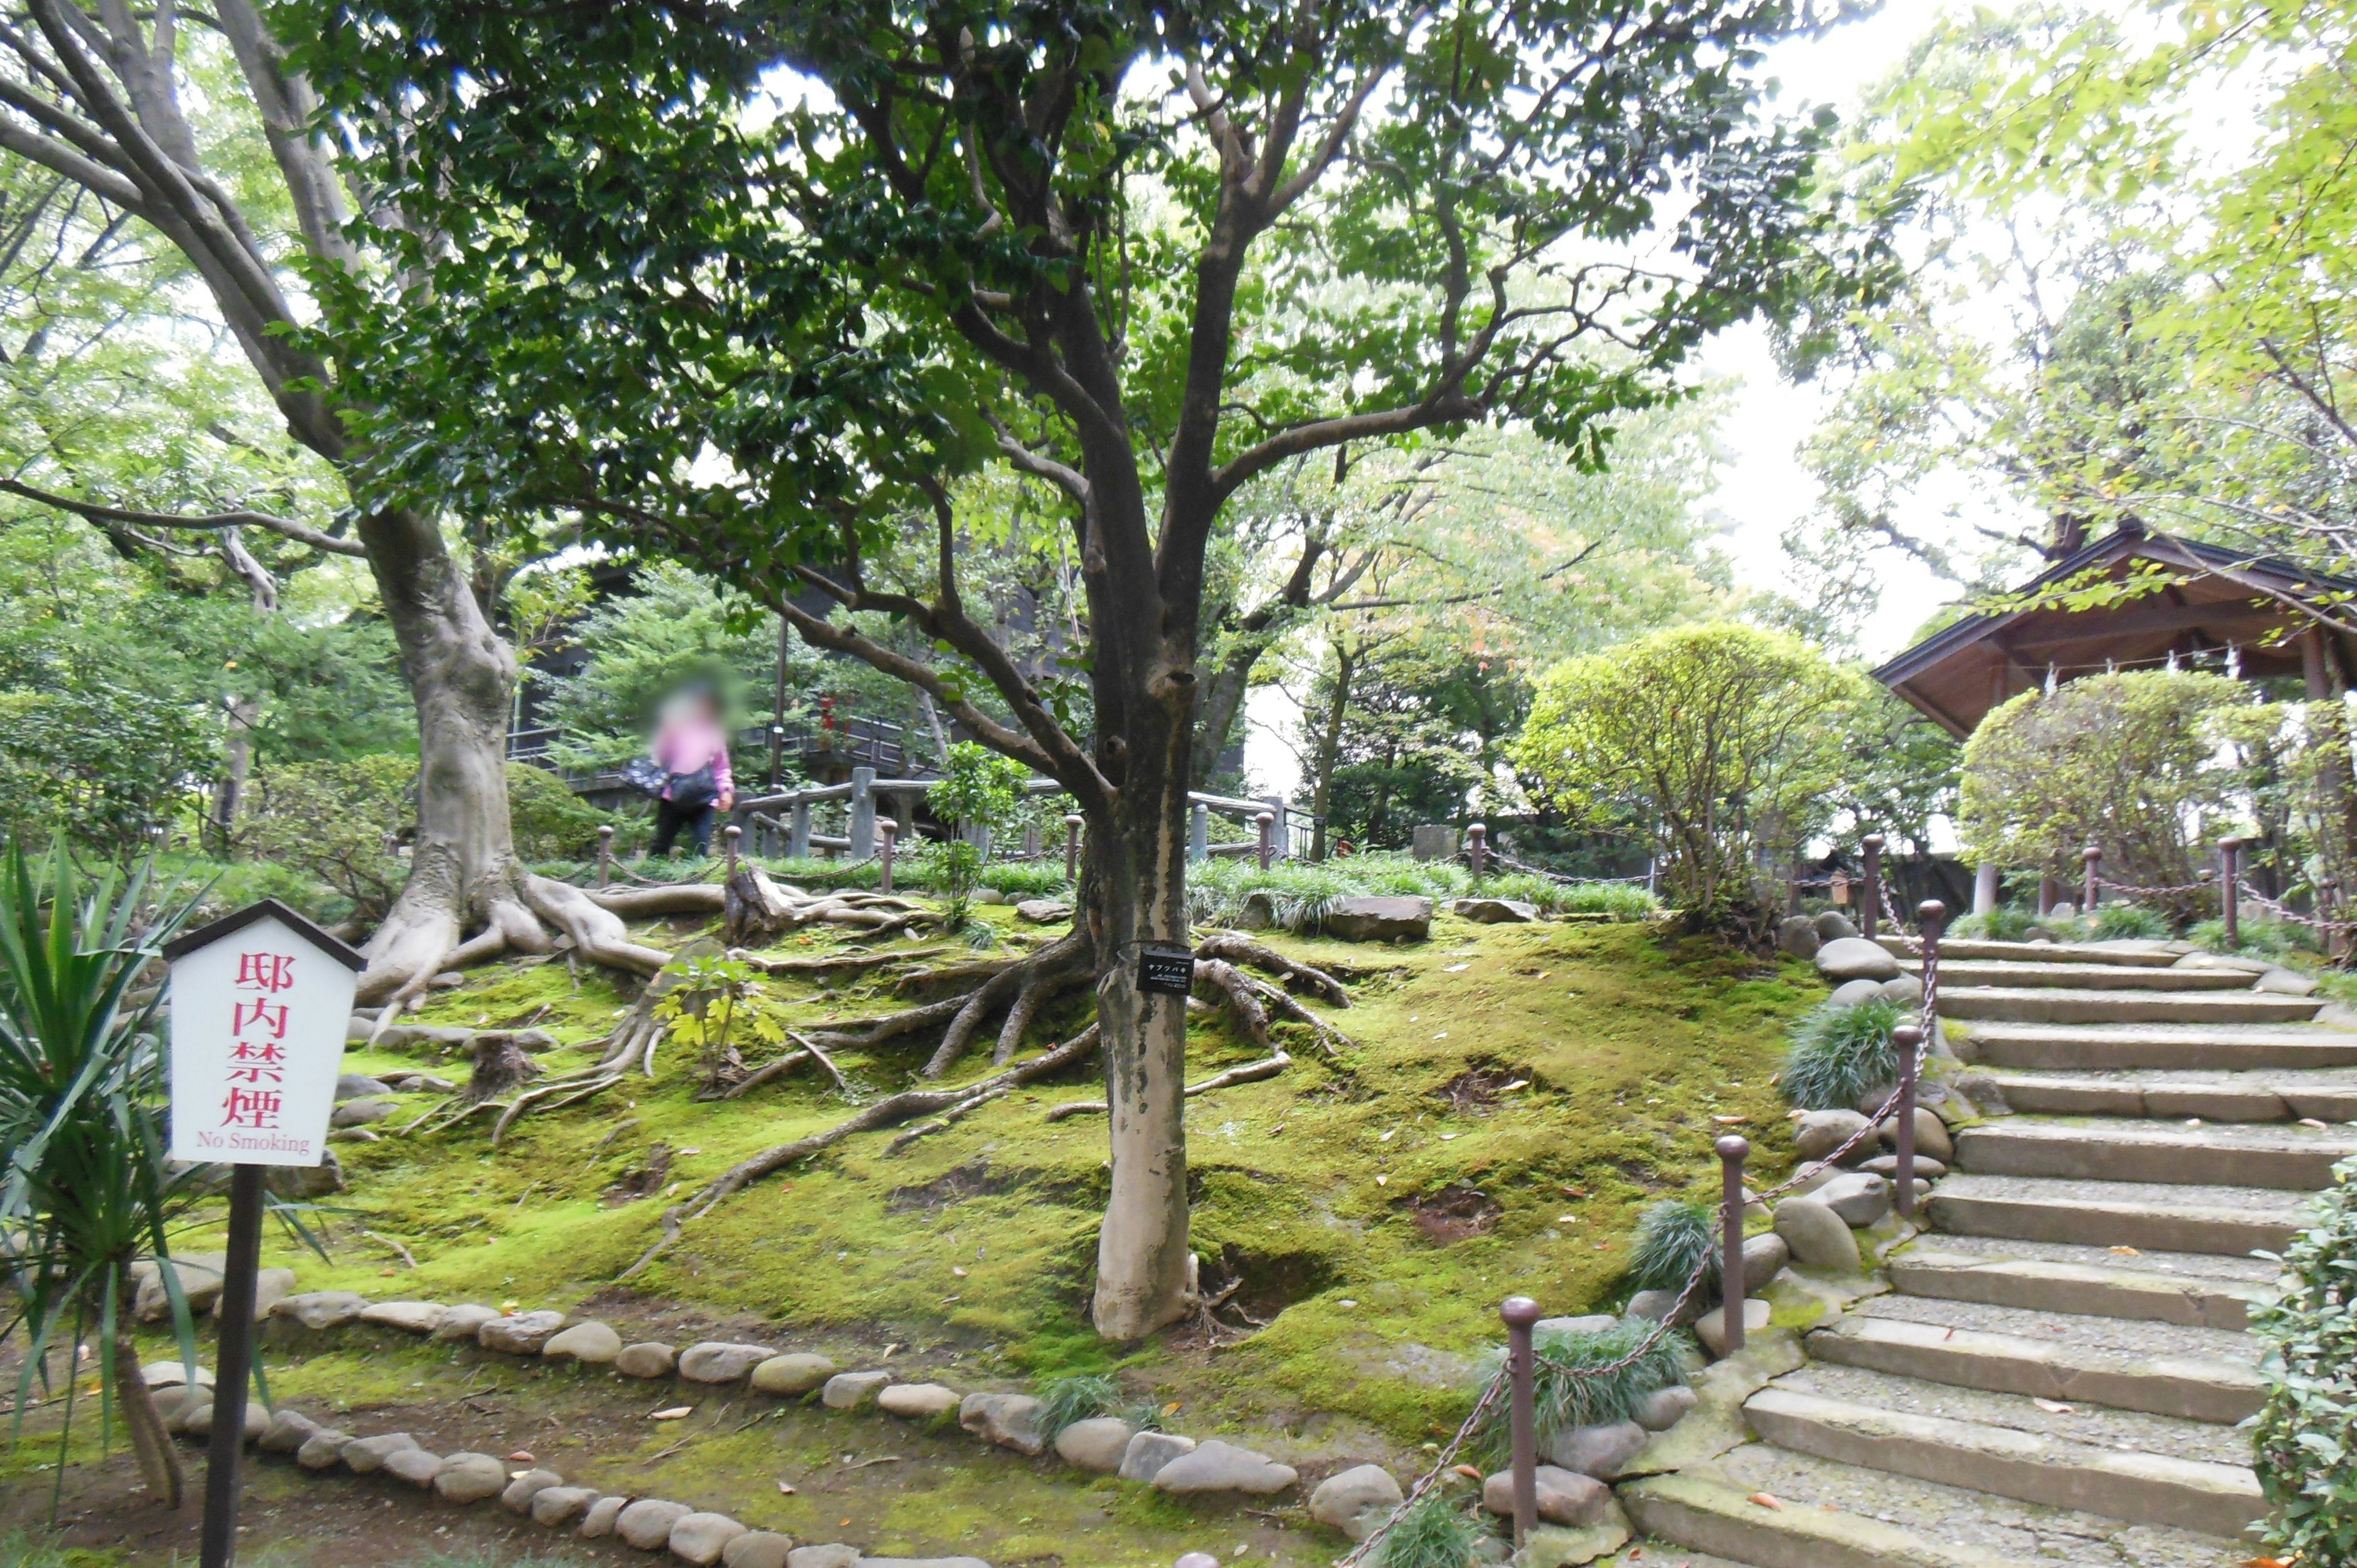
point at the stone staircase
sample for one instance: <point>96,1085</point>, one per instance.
<point>2057,1368</point>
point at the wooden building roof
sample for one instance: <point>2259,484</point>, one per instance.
<point>2216,601</point>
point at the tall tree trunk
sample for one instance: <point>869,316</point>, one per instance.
<point>159,1462</point>
<point>1330,745</point>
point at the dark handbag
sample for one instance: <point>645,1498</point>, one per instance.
<point>645,774</point>
<point>692,791</point>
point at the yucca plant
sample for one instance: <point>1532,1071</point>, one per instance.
<point>86,1185</point>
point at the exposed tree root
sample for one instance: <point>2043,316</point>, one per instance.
<point>1236,947</point>
<point>1250,1072</point>
<point>501,1068</point>
<point>949,1118</point>
<point>551,1096</point>
<point>887,1112</point>
<point>836,963</point>
<point>758,907</point>
<point>1250,1000</point>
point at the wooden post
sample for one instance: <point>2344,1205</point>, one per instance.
<point>797,831</point>
<point>1199,832</point>
<point>1521,1416</point>
<point>2328,907</point>
<point>1985,888</point>
<point>2091,891</point>
<point>733,838</point>
<point>1073,849</point>
<point>233,1367</point>
<point>1477,847</point>
<point>862,830</point>
<point>2230,890</point>
<point>1268,821</point>
<point>887,830</point>
<point>1906,1039</point>
<point>1870,912</point>
<point>2050,893</point>
<point>605,854</point>
<point>1732,1152</point>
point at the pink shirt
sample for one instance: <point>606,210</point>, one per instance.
<point>686,745</point>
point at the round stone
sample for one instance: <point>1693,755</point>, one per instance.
<point>649,1359</point>
<point>592,1342</point>
<point>794,1374</point>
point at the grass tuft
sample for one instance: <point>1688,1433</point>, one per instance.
<point>2114,922</point>
<point>1433,1533</point>
<point>1673,1236</point>
<point>1567,1393</point>
<point>1841,1053</point>
<point>1301,893</point>
<point>1081,1395</point>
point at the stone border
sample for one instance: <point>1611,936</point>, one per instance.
<point>1355,1500</point>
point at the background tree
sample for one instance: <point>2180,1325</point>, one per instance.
<point>1719,740</point>
<point>1142,254</point>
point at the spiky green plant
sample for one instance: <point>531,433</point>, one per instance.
<point>1673,1236</point>
<point>2114,922</point>
<point>1570,1392</point>
<point>2005,924</point>
<point>86,1186</point>
<point>1080,1395</point>
<point>1840,1054</point>
<point>1432,1533</point>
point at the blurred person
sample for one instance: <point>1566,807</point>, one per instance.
<point>691,746</point>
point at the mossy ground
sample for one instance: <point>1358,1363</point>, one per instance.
<point>1515,1095</point>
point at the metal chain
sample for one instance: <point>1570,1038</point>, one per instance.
<point>1492,852</point>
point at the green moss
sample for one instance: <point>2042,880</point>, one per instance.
<point>1514,1098</point>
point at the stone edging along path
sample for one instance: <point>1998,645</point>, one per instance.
<point>1102,1445</point>
<point>1355,1500</point>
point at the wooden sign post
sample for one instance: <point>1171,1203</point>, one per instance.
<point>260,1003</point>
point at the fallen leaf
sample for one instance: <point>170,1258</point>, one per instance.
<point>887,1351</point>
<point>787,1488</point>
<point>1456,969</point>
<point>1383,1181</point>
<point>1765,1501</point>
<point>2126,1251</point>
<point>1388,1136</point>
<point>959,1273</point>
<point>2312,1122</point>
<point>1730,1121</point>
<point>2055,1407</point>
<point>2266,1563</point>
<point>1518,1083</point>
<point>521,1456</point>
<point>674,1413</point>
<point>1468,1471</point>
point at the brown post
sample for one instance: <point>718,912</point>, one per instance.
<point>1870,910</point>
<point>1906,1038</point>
<point>2230,890</point>
<point>2050,893</point>
<point>1268,820</point>
<point>1931,919</point>
<point>232,1368</point>
<point>890,830</point>
<point>1732,1152</point>
<point>2092,892</point>
<point>732,836</point>
<point>1072,850</point>
<point>605,854</point>
<point>1477,847</point>
<point>1522,1417</point>
<point>2328,908</point>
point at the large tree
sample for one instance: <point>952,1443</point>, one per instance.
<point>191,128</point>
<point>775,288</point>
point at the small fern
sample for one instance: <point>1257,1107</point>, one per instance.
<point>1841,1053</point>
<point>1673,1236</point>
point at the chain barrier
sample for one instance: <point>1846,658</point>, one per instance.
<point>1665,1324</point>
<point>1492,852</point>
<point>2131,891</point>
<point>2285,912</point>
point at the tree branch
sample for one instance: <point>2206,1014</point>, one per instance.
<point>97,511</point>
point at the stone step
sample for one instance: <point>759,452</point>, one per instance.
<point>2044,1005</point>
<point>2224,1046</point>
<point>1831,1515</point>
<point>2148,1489</point>
<point>2081,976</point>
<point>2155,1217</point>
<point>2281,1095</point>
<point>2296,1158</point>
<point>2125,954</point>
<point>2114,1288</point>
<point>2233,1267</point>
<point>2051,1366</point>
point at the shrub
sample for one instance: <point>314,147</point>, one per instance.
<point>1301,893</point>
<point>2114,922</point>
<point>2004,924</point>
<point>2274,938</point>
<point>338,824</point>
<point>1026,878</point>
<point>2305,1436</point>
<point>1841,1053</point>
<point>100,762</point>
<point>1673,1236</point>
<point>549,820</point>
<point>1725,738</point>
<point>2135,762</point>
<point>1434,1532</point>
<point>1567,1394</point>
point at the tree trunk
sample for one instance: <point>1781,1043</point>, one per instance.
<point>159,1462</point>
<point>1330,748</point>
<point>460,677</point>
<point>1136,885</point>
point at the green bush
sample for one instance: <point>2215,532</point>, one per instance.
<point>549,820</point>
<point>101,763</point>
<point>1301,892</point>
<point>1673,1236</point>
<point>2270,938</point>
<point>337,823</point>
<point>2305,1436</point>
<point>2007,923</point>
<point>2114,922</point>
<point>1841,1053</point>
